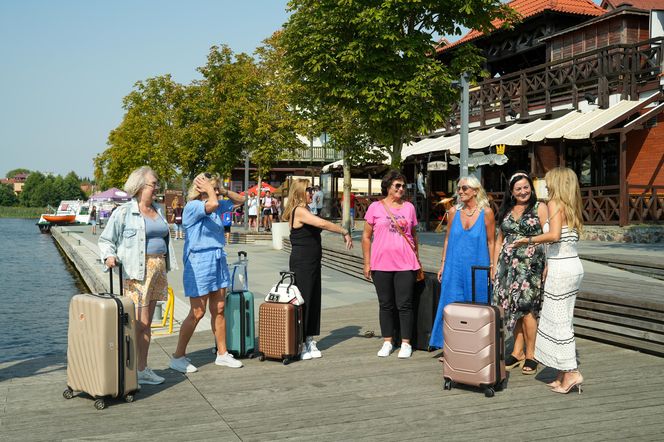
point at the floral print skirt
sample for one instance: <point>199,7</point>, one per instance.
<point>155,285</point>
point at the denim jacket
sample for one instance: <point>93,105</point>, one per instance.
<point>124,238</point>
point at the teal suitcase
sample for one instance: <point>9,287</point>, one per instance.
<point>240,331</point>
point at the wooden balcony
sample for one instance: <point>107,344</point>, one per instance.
<point>620,68</point>
<point>319,155</point>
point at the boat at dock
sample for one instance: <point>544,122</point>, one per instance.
<point>68,212</point>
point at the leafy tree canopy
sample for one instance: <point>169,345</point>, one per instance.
<point>12,173</point>
<point>40,190</point>
<point>7,195</point>
<point>375,58</point>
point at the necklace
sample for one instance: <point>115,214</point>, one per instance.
<point>469,214</point>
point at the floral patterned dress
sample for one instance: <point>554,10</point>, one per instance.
<point>518,284</point>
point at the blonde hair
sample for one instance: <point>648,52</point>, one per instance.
<point>176,201</point>
<point>297,197</point>
<point>564,190</point>
<point>473,182</point>
<point>137,180</point>
<point>194,194</point>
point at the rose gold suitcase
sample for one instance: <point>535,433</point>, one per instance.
<point>280,331</point>
<point>101,347</point>
<point>474,344</point>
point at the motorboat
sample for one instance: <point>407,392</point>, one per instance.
<point>68,212</point>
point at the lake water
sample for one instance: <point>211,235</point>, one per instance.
<point>36,284</point>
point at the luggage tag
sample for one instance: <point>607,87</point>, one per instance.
<point>285,293</point>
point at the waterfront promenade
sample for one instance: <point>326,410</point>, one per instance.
<point>349,394</point>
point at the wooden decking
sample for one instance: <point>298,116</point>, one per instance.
<point>349,394</point>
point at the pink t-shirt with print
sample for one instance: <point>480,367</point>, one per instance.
<point>389,250</point>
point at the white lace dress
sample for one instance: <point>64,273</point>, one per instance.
<point>555,346</point>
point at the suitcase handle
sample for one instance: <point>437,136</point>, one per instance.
<point>242,255</point>
<point>127,351</point>
<point>473,270</point>
<point>110,278</point>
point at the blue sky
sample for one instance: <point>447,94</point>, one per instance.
<point>67,64</point>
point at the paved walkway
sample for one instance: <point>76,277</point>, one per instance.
<point>349,394</point>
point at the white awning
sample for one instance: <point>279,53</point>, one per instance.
<point>552,126</point>
<point>516,134</point>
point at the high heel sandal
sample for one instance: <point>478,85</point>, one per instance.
<point>512,362</point>
<point>557,382</point>
<point>529,367</point>
<point>569,388</point>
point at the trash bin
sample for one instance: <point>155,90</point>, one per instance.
<point>279,231</point>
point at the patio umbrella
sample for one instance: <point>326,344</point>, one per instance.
<point>111,194</point>
<point>264,188</point>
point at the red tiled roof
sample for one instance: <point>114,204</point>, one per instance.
<point>639,4</point>
<point>530,8</point>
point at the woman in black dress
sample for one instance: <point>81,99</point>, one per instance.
<point>305,258</point>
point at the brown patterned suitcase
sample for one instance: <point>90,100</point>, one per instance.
<point>474,344</point>
<point>280,331</point>
<point>101,347</point>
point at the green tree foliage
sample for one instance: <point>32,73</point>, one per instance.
<point>147,135</point>
<point>40,190</point>
<point>7,195</point>
<point>375,58</point>
<point>12,173</point>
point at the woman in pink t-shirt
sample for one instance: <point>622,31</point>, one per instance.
<point>390,261</point>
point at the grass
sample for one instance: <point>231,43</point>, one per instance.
<point>21,212</point>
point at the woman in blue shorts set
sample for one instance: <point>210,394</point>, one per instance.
<point>206,275</point>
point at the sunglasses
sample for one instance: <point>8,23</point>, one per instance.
<point>207,175</point>
<point>399,186</point>
<point>309,190</point>
<point>465,188</point>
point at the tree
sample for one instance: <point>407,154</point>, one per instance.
<point>375,59</point>
<point>147,134</point>
<point>12,173</point>
<point>7,196</point>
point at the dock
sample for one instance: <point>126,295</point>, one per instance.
<point>348,394</point>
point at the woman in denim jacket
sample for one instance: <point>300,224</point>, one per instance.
<point>137,236</point>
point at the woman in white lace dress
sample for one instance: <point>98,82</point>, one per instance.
<point>555,346</point>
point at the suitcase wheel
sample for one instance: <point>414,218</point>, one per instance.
<point>489,392</point>
<point>68,393</point>
<point>261,357</point>
<point>286,361</point>
<point>447,385</point>
<point>129,398</point>
<point>100,404</point>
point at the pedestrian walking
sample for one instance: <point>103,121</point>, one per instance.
<point>305,258</point>
<point>266,204</point>
<point>555,346</point>
<point>389,247</point>
<point>177,217</point>
<point>518,271</point>
<point>93,219</point>
<point>206,275</point>
<point>469,241</point>
<point>137,236</point>
<point>318,197</point>
<point>252,204</point>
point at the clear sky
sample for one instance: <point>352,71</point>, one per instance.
<point>65,66</point>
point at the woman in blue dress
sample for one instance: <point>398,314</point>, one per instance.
<point>469,242</point>
<point>206,274</point>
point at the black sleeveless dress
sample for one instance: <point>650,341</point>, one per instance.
<point>306,252</point>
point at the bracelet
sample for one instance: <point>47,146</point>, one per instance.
<point>344,232</point>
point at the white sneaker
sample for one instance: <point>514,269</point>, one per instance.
<point>149,377</point>
<point>311,347</point>
<point>306,354</point>
<point>227,360</point>
<point>385,350</point>
<point>182,365</point>
<point>405,351</point>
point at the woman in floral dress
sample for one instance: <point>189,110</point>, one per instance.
<point>518,271</point>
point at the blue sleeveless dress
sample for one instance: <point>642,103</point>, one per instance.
<point>465,248</point>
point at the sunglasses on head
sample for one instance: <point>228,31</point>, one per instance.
<point>207,175</point>
<point>309,189</point>
<point>399,186</point>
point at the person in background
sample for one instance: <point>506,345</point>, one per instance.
<point>305,258</point>
<point>389,244</point>
<point>469,241</point>
<point>352,211</point>
<point>266,204</point>
<point>555,346</point>
<point>206,275</point>
<point>252,204</point>
<point>318,200</point>
<point>276,209</point>
<point>518,271</point>
<point>137,236</point>
<point>177,217</point>
<point>93,219</point>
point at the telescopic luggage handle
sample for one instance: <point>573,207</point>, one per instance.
<point>110,278</point>
<point>242,255</point>
<point>474,270</point>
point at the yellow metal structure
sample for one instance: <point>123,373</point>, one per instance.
<point>168,315</point>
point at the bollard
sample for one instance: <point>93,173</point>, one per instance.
<point>158,311</point>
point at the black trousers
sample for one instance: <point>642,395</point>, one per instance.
<point>307,271</point>
<point>395,301</point>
